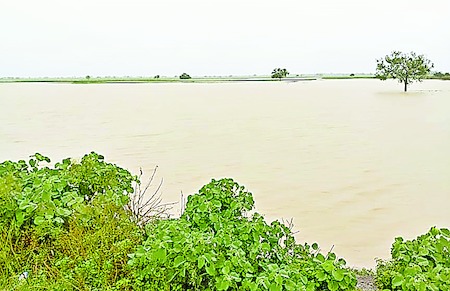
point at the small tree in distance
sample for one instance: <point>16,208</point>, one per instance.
<point>279,73</point>
<point>406,68</point>
<point>185,76</point>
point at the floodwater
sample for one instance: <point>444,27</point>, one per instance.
<point>355,163</point>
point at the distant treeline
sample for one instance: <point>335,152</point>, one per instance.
<point>440,75</point>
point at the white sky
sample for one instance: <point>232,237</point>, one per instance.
<point>215,37</point>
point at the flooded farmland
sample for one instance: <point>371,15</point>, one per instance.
<point>355,163</point>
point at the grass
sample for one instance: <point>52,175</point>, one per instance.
<point>82,256</point>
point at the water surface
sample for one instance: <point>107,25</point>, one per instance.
<point>355,163</point>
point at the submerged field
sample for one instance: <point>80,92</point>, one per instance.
<point>355,163</point>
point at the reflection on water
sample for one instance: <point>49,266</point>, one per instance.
<point>354,162</point>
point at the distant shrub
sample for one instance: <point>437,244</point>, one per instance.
<point>185,76</point>
<point>279,73</point>
<point>440,75</point>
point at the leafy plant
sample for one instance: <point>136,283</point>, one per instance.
<point>65,228</point>
<point>419,264</point>
<point>216,245</point>
<point>47,197</point>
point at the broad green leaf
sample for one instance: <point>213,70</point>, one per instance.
<point>397,280</point>
<point>58,220</point>
<point>422,261</point>
<point>272,267</point>
<point>210,270</point>
<point>200,262</point>
<point>222,284</point>
<point>423,251</point>
<point>328,266</point>
<point>338,274</point>
<point>64,212</point>
<point>226,270</point>
<point>38,220</point>
<point>275,287</point>
<point>265,247</point>
<point>216,203</point>
<point>160,254</point>
<point>178,261</point>
<point>19,217</point>
<point>333,285</point>
<point>445,232</point>
<point>32,163</point>
<point>46,196</point>
<point>321,275</point>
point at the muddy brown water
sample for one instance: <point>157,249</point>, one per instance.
<point>355,163</point>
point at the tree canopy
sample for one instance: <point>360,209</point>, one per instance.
<point>279,73</point>
<point>405,67</point>
<point>185,76</point>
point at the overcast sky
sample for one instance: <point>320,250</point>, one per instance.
<point>215,37</point>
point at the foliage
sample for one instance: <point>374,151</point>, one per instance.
<point>81,226</point>
<point>442,76</point>
<point>215,245</point>
<point>420,264</point>
<point>406,68</point>
<point>65,227</point>
<point>279,73</point>
<point>184,76</point>
<point>47,197</point>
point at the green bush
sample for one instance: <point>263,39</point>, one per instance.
<point>215,245</point>
<point>46,197</point>
<point>419,264</point>
<point>65,228</point>
<point>184,76</point>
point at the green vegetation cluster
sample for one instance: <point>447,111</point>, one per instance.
<point>71,227</point>
<point>216,246</point>
<point>279,73</point>
<point>441,76</point>
<point>65,228</point>
<point>185,76</point>
<point>420,264</point>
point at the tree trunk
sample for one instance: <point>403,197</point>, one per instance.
<point>406,84</point>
